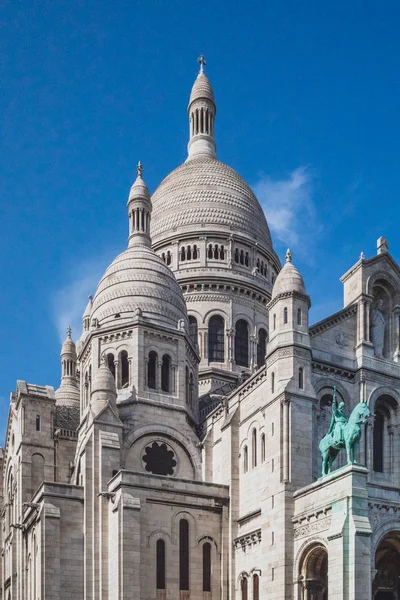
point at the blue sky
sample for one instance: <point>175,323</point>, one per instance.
<point>308,100</point>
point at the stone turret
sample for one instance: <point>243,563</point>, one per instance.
<point>201,111</point>
<point>104,392</point>
<point>68,392</point>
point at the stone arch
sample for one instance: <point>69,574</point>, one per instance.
<point>216,312</point>
<point>383,403</point>
<point>159,534</point>
<point>312,571</point>
<point>326,382</point>
<point>169,432</point>
<point>207,538</point>
<point>382,391</point>
<point>384,277</point>
<point>386,557</point>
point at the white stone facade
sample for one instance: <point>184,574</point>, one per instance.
<point>179,457</point>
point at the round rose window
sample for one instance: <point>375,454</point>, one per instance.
<point>159,459</point>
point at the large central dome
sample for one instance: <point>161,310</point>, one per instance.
<point>204,192</point>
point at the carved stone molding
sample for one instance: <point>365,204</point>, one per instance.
<point>248,540</point>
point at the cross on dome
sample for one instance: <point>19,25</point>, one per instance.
<point>288,255</point>
<point>139,169</point>
<point>69,331</point>
<point>202,62</point>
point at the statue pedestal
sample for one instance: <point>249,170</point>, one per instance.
<point>333,512</point>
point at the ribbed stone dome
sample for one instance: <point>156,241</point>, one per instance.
<point>201,89</point>
<point>138,282</point>
<point>288,280</point>
<point>204,192</point>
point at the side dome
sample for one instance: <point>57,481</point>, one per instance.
<point>138,282</point>
<point>288,279</point>
<point>204,192</point>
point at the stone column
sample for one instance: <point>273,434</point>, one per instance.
<point>158,376</point>
<point>367,319</point>
<point>396,333</point>
<point>253,352</point>
<point>230,334</point>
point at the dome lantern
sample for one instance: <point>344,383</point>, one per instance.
<point>201,111</point>
<point>139,210</point>
<point>68,392</point>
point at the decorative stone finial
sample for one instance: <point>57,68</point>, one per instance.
<point>69,331</point>
<point>288,255</point>
<point>382,245</point>
<point>202,62</point>
<point>90,298</point>
<point>362,256</point>
<point>139,169</point>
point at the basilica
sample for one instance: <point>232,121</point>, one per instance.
<point>179,459</point>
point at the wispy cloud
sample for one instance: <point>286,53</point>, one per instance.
<point>289,207</point>
<point>70,300</point>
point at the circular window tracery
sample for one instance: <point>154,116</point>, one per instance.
<point>159,459</point>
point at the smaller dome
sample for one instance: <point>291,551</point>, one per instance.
<point>103,381</point>
<point>68,346</point>
<point>201,89</point>
<point>288,279</point>
<point>139,189</point>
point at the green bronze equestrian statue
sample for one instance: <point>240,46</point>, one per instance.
<point>342,433</point>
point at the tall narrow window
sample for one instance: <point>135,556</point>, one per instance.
<point>165,373</point>
<point>254,448</point>
<point>183,254</point>
<point>37,422</point>
<point>194,252</point>
<point>242,257</point>
<point>272,382</point>
<point>242,343</point>
<point>222,253</point>
<point>236,255</point>
<point>301,378</point>
<point>151,370</point>
<point>169,259</point>
<point>189,253</point>
<point>274,320</point>
<point>243,588</point>
<point>124,364</point>
<point>261,347</point>
<point>245,459</point>
<point>160,569</point>
<point>183,554</point>
<point>285,316</point>
<point>193,329</point>
<point>111,363</point>
<point>216,341</point>
<point>256,587</point>
<point>263,447</point>
<point>210,251</point>
<point>187,385</point>
<point>191,390</point>
<point>299,319</point>
<point>246,259</point>
<point>207,567</point>
<point>378,441</point>
<point>216,253</point>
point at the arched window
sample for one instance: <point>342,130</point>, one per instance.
<point>169,259</point>
<point>299,319</point>
<point>191,390</point>
<point>163,256</point>
<point>194,252</point>
<point>243,588</point>
<point>165,373</point>
<point>258,264</point>
<point>216,339</point>
<point>301,378</point>
<point>183,253</point>
<point>378,443</point>
<point>216,253</point>
<point>272,382</point>
<point>111,363</point>
<point>263,447</point>
<point>242,343</point>
<point>183,554</point>
<point>207,567</point>
<point>256,587</point>
<point>245,459</point>
<point>124,365</point>
<point>246,259</point>
<point>189,253</point>
<point>285,316</point>
<point>254,448</point>
<point>210,251</point>
<point>236,255</point>
<point>222,253</point>
<point>151,370</point>
<point>261,347</point>
<point>160,568</point>
<point>193,329</point>
<point>242,257</point>
<point>187,385</point>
